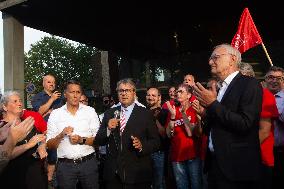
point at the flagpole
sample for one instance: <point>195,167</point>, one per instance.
<point>267,55</point>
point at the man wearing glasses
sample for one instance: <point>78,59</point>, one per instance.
<point>232,116</point>
<point>131,138</point>
<point>274,80</point>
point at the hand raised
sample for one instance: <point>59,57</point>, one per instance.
<point>55,95</point>
<point>20,131</point>
<point>200,110</point>
<point>204,96</point>
<point>36,139</point>
<point>4,130</point>
<point>172,109</point>
<point>113,123</point>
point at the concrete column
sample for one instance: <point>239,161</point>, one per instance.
<point>105,72</point>
<point>113,71</point>
<point>101,73</point>
<point>13,33</point>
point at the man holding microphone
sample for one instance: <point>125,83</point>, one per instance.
<point>130,141</point>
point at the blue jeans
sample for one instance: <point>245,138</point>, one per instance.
<point>68,174</point>
<point>188,173</point>
<point>158,159</point>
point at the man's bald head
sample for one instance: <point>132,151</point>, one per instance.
<point>189,80</point>
<point>48,83</point>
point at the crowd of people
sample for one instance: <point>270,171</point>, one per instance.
<point>226,134</point>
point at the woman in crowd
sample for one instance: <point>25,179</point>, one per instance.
<point>25,170</point>
<point>183,129</point>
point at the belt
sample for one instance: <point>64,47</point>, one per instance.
<point>77,160</point>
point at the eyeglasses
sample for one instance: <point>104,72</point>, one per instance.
<point>272,78</point>
<point>215,57</point>
<point>127,91</point>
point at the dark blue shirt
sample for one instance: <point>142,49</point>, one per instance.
<point>41,98</point>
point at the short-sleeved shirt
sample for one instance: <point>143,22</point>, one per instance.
<point>40,123</point>
<point>183,147</point>
<point>269,110</point>
<point>85,123</point>
<point>41,98</point>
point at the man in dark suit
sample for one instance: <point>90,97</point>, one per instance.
<point>130,141</point>
<point>233,116</point>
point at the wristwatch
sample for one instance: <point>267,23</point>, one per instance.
<point>83,141</point>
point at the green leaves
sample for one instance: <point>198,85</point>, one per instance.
<point>63,59</point>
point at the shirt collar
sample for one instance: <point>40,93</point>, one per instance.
<point>219,84</point>
<point>80,106</point>
<point>230,77</point>
<point>43,93</point>
<point>280,94</point>
<point>128,108</point>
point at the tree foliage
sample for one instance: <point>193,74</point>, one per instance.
<point>61,58</point>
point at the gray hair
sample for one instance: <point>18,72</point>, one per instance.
<point>6,97</point>
<point>231,50</point>
<point>275,69</point>
<point>188,88</point>
<point>246,69</point>
<point>126,81</point>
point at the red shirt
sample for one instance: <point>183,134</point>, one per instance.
<point>40,123</point>
<point>164,106</point>
<point>183,147</point>
<point>269,110</point>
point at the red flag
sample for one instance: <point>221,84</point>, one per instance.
<point>247,35</point>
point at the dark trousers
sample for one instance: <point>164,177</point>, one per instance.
<point>278,174</point>
<point>69,173</point>
<point>117,184</point>
<point>217,180</point>
<point>158,160</point>
<point>266,177</point>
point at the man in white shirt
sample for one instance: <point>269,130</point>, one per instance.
<point>71,130</point>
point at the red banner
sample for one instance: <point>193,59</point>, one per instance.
<point>247,35</point>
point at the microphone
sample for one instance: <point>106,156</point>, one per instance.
<point>116,114</point>
<point>116,141</point>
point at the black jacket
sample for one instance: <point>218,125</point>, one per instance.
<point>122,158</point>
<point>234,124</point>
